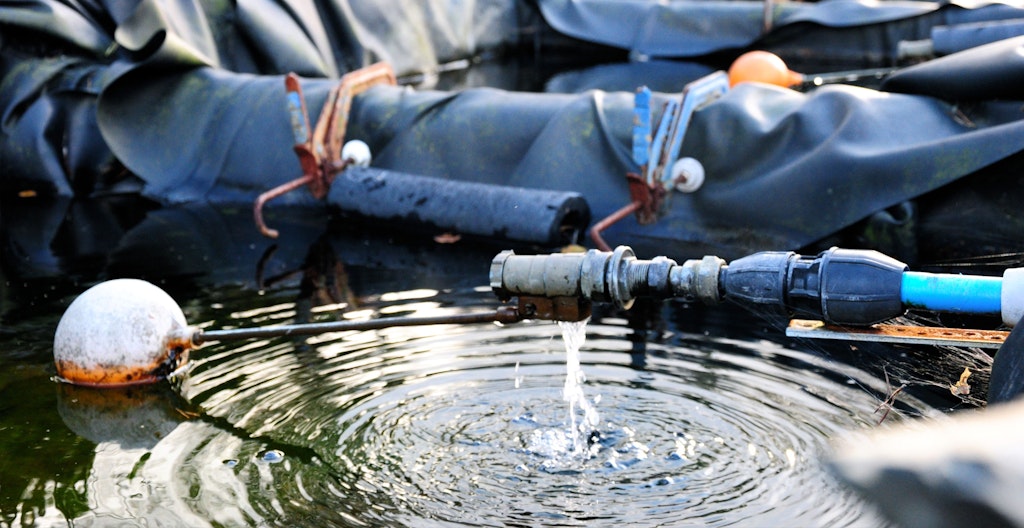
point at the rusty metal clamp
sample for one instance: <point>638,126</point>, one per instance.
<point>648,191</point>
<point>645,201</point>
<point>320,152</point>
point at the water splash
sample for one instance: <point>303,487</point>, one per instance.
<point>574,334</point>
<point>393,427</point>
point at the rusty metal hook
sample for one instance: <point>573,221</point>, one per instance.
<point>645,200</point>
<point>319,151</point>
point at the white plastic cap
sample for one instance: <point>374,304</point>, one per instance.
<point>687,175</point>
<point>1011,298</point>
<point>357,152</point>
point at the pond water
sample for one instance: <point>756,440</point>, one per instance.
<point>704,416</point>
<point>667,415</point>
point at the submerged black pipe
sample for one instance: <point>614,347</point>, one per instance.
<point>470,208</point>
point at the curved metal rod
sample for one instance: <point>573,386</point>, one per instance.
<point>504,314</point>
<point>330,129</point>
<point>261,200</point>
<point>595,231</point>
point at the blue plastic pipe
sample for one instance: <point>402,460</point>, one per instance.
<point>952,293</point>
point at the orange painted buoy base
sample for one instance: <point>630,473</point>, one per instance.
<point>120,332</point>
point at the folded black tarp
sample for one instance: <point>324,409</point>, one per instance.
<point>830,29</point>
<point>987,72</point>
<point>783,168</point>
<point>187,113</point>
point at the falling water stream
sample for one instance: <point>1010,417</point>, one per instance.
<point>574,334</point>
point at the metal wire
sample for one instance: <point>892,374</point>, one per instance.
<point>505,314</point>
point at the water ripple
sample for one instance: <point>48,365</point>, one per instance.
<point>468,426</point>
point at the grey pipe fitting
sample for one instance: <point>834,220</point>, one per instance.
<point>617,277</point>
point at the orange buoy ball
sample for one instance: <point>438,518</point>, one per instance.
<point>121,332</point>
<point>762,66</point>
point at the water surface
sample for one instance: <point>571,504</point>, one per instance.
<point>707,416</point>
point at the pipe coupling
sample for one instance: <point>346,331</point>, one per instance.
<point>616,276</point>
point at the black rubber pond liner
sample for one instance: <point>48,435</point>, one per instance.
<point>497,212</point>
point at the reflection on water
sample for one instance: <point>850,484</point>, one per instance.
<point>702,420</point>
<point>455,424</point>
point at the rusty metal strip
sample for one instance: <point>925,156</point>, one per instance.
<point>887,333</point>
<point>570,309</point>
<point>319,152</point>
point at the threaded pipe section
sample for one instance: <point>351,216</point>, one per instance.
<point>636,277</point>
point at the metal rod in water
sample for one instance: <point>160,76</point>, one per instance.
<point>505,314</point>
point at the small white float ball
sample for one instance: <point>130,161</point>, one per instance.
<point>120,332</point>
<point>688,175</point>
<point>357,152</point>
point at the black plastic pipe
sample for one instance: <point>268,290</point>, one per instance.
<point>469,208</point>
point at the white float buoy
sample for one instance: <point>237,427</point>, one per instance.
<point>121,332</point>
<point>357,152</point>
<point>688,175</point>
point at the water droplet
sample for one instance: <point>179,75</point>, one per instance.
<point>791,457</point>
<point>664,481</point>
<point>231,462</point>
<point>525,419</point>
<point>273,456</point>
